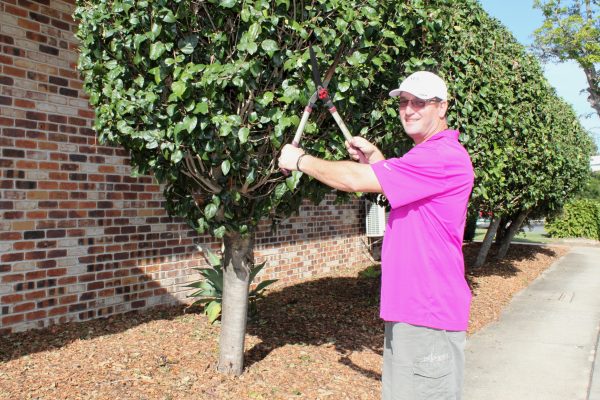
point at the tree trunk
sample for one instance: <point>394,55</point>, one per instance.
<point>512,231</point>
<point>487,241</point>
<point>594,86</point>
<point>238,259</point>
<point>501,231</point>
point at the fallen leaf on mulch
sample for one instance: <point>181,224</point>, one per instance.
<point>316,339</point>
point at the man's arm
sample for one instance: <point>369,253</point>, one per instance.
<point>342,175</point>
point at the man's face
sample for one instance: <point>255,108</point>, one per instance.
<point>421,118</point>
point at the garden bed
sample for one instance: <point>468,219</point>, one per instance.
<point>316,339</point>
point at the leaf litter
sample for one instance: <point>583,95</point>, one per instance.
<point>319,338</point>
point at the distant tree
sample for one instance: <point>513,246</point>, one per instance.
<point>571,31</point>
<point>592,188</point>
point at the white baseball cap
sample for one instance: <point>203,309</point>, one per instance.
<point>423,84</point>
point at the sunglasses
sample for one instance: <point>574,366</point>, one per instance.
<point>416,104</point>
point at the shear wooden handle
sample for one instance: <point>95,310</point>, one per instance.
<point>346,132</point>
<point>299,132</point>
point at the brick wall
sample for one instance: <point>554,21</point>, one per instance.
<point>79,237</point>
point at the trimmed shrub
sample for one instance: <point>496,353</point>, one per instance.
<point>580,218</point>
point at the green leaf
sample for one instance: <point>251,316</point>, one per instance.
<point>269,45</point>
<point>178,88</point>
<point>357,58</point>
<point>188,44</point>
<point>251,47</point>
<point>256,269</point>
<point>190,123</point>
<point>156,50</point>
<point>359,27</point>
<point>170,17</point>
<point>243,135</point>
<point>280,190</point>
<point>210,256</point>
<point>262,286</point>
<point>210,211</point>
<point>343,86</point>
<point>266,98</point>
<point>225,167</point>
<point>213,311</point>
<point>227,3</point>
<point>219,232</point>
<point>176,156</point>
<point>254,31</point>
<point>201,108</point>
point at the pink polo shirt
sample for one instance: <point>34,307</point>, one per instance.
<point>423,275</point>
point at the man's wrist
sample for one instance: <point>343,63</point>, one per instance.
<point>298,161</point>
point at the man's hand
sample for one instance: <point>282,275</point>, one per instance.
<point>289,157</point>
<point>371,152</point>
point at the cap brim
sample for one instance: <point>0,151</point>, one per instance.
<point>395,93</point>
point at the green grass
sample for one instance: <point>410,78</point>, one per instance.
<point>522,237</point>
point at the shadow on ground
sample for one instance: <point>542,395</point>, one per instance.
<point>20,344</point>
<point>342,312</point>
<point>505,268</point>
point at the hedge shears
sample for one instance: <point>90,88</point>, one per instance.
<point>323,94</point>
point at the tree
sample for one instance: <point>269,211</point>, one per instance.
<point>571,31</point>
<point>592,188</point>
<point>204,94</point>
<point>527,146</point>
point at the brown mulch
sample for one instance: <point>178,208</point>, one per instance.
<point>316,339</point>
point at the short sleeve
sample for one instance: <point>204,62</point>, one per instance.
<point>417,175</point>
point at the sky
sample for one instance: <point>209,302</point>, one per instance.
<point>568,79</point>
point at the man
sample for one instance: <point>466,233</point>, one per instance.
<point>424,296</point>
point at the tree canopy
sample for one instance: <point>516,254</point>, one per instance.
<point>204,94</point>
<point>571,31</point>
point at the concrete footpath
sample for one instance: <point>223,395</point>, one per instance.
<point>545,344</point>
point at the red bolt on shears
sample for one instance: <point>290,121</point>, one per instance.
<point>323,94</point>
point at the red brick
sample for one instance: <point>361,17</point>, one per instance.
<point>26,144</point>
<point>6,39</point>
<point>39,294</point>
<point>23,123</point>
<point>36,37</point>
<point>52,166</point>
<point>23,307</point>
<point>35,255</point>
<point>86,114</point>
<point>28,24</point>
<point>12,319</point>
<point>53,51</point>
<point>67,73</point>
<point>35,315</point>
<point>23,246</point>
<point>17,72</point>
<point>24,164</point>
<point>5,60</point>
<point>43,19</point>
<point>11,235</point>
<point>11,298</point>
<point>13,51</point>
<point>61,25</point>
<point>54,272</point>
<point>38,214</point>
<point>34,275</point>
<point>12,257</point>
<point>58,311</point>
<point>15,10</point>
<point>67,280</point>
<point>13,278</point>
<point>37,116</point>
<point>68,299</point>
